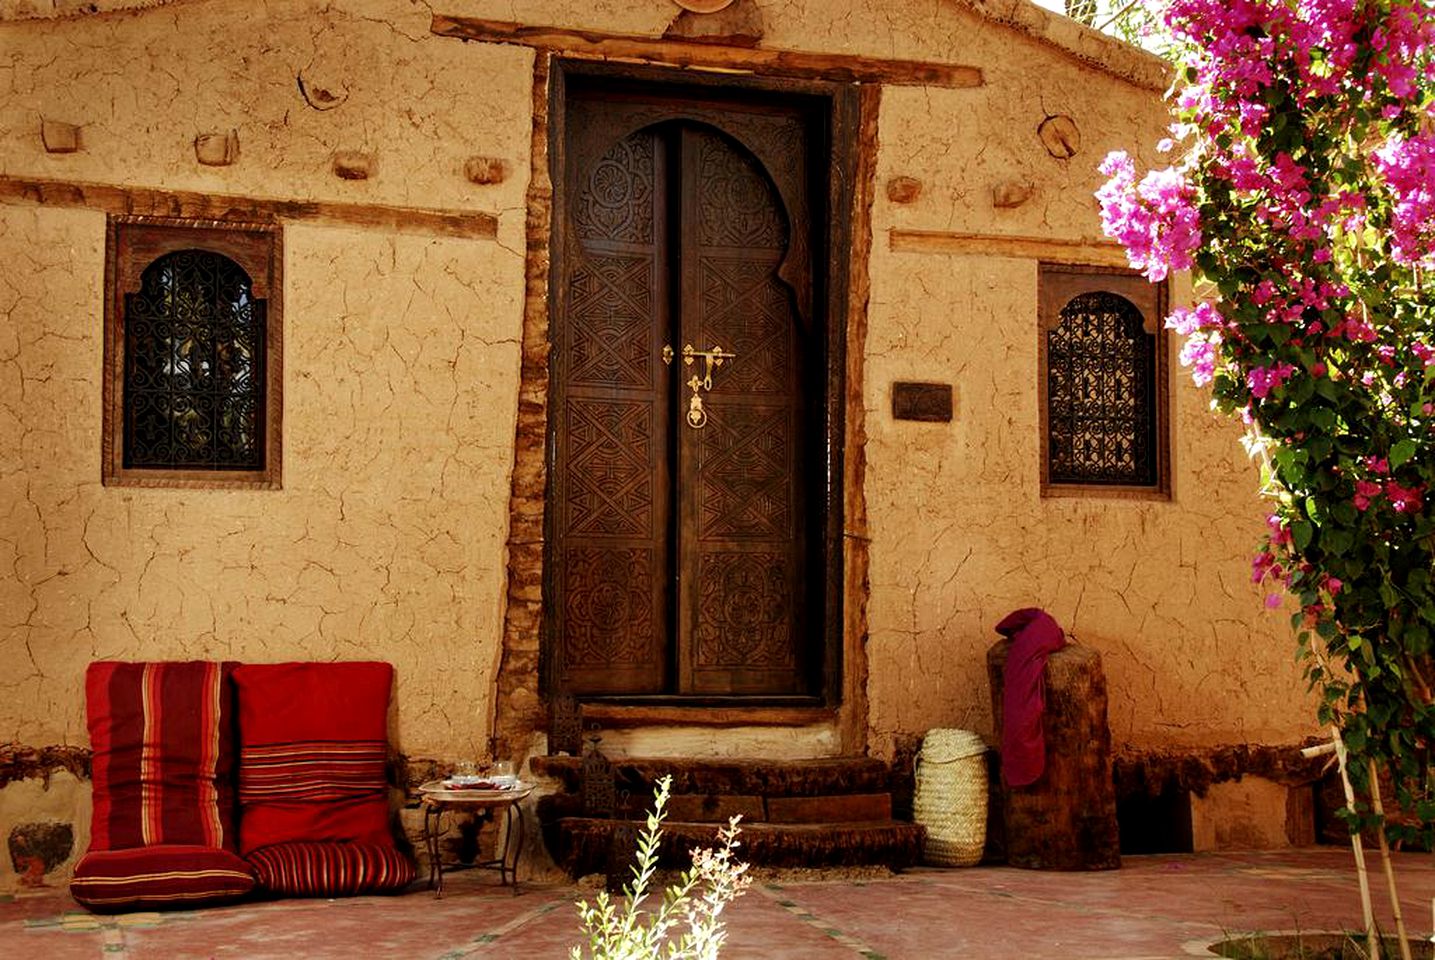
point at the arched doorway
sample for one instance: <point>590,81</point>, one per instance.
<point>686,555</point>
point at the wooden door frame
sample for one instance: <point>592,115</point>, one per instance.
<point>837,106</point>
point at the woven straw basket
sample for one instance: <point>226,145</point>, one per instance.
<point>951,800</point>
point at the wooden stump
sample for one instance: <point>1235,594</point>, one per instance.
<point>1067,819</point>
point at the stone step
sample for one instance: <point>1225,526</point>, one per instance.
<point>825,777</point>
<point>582,845</point>
<point>719,807</point>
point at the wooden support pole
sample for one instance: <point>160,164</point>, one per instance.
<point>1385,863</point>
<point>710,56</point>
<point>1372,939</point>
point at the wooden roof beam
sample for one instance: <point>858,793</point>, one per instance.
<point>222,207</point>
<point>710,56</point>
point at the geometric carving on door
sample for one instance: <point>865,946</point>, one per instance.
<point>749,311</point>
<point>610,336</point>
<point>682,557</point>
<point>744,472</point>
<point>618,201</point>
<point>736,202</point>
<point>608,608</point>
<point>745,603</point>
<point>609,488</point>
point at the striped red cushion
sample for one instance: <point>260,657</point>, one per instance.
<point>161,876</point>
<point>313,743</point>
<point>312,771</point>
<point>331,869</point>
<point>163,754</point>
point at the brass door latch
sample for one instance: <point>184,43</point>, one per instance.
<point>712,359</point>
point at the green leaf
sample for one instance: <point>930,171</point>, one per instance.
<point>1323,417</point>
<point>1402,452</point>
<point>1337,542</point>
<point>1301,533</point>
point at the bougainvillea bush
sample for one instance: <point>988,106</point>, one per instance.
<point>1301,194</point>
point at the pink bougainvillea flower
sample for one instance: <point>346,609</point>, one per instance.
<point>1186,322</point>
<point>1403,499</point>
<point>1408,166</point>
<point>1261,566</point>
<point>1280,534</point>
<point>1262,380</point>
<point>1156,220</point>
<point>1365,492</point>
<point>1199,353</point>
<point>1301,189</point>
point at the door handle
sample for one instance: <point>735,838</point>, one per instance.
<point>712,359</point>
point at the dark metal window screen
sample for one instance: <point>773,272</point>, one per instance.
<point>194,366</point>
<point>1101,394</point>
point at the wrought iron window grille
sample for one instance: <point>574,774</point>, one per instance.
<point>193,353</point>
<point>1102,384</point>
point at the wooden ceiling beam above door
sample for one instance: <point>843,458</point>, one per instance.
<point>710,56</point>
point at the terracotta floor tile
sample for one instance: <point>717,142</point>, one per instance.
<point>1152,909</point>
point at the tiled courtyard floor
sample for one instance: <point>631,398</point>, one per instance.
<point>1154,907</point>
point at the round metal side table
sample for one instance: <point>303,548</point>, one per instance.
<point>483,805</point>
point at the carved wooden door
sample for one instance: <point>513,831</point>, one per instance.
<point>680,429</point>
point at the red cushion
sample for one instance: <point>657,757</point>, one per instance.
<point>159,876</point>
<point>331,869</point>
<point>163,754</point>
<point>313,740</point>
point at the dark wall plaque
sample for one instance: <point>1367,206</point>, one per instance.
<point>930,402</point>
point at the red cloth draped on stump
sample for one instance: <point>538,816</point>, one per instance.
<point>1034,635</point>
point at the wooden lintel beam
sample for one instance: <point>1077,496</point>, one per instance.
<point>710,56</point>
<point>1098,253</point>
<point>147,201</point>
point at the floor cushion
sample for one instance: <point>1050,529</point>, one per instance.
<point>331,869</point>
<point>313,741</point>
<point>162,736</point>
<point>160,876</point>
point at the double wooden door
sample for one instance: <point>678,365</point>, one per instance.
<point>681,402</point>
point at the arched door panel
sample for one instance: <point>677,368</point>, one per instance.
<point>681,426</point>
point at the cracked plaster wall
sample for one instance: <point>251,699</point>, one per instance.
<point>387,538</point>
<point>960,534</point>
<point>959,531</point>
<point>401,358</point>
<point>385,543</point>
<point>142,85</point>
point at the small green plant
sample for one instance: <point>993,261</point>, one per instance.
<point>686,923</point>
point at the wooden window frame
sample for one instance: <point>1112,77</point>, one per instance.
<point>1057,285</point>
<point>132,244</point>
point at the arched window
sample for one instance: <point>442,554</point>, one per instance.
<point>192,356</point>
<point>1102,383</point>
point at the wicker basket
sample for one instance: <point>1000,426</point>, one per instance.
<point>951,799</point>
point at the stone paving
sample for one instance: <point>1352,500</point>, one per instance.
<point>1154,907</point>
